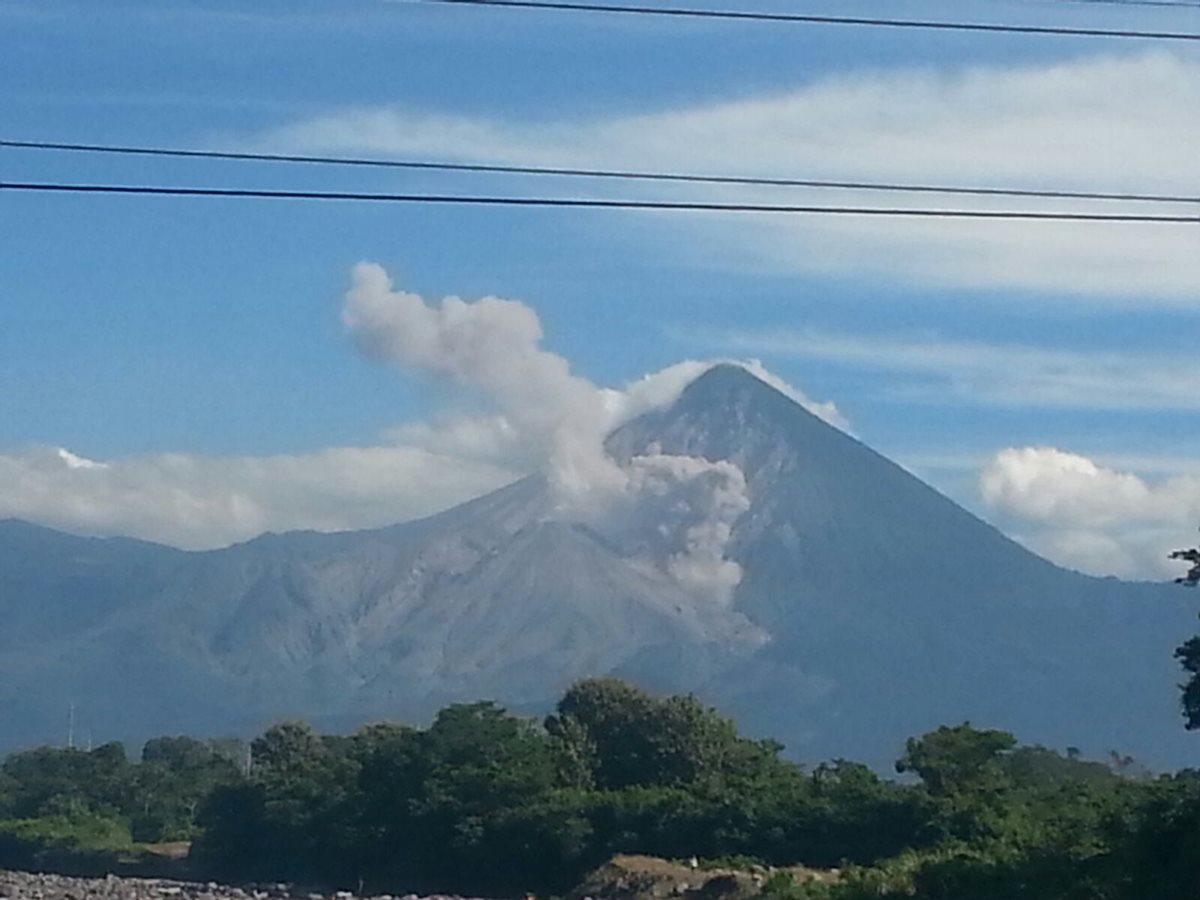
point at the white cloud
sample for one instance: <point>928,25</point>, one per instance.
<point>998,374</point>
<point>1118,123</point>
<point>1050,485</point>
<point>201,502</point>
<point>1080,513</point>
<point>662,388</point>
<point>489,436</point>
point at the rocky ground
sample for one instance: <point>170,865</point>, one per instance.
<point>622,878</point>
<point>30,886</point>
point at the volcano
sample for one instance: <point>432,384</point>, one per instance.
<point>870,608</point>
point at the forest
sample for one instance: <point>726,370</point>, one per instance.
<point>485,802</point>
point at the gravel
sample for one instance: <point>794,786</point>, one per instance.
<point>37,886</point>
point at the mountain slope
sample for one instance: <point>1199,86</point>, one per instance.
<point>491,598</point>
<point>871,608</point>
<point>915,610</point>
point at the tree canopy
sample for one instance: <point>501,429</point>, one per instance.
<point>486,802</point>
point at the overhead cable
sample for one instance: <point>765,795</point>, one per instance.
<point>807,19</point>
<point>1162,4</point>
<point>590,203</point>
<point>618,174</point>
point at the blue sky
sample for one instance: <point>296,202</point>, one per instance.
<point>190,356</point>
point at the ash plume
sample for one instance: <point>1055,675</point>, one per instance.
<point>675,512</point>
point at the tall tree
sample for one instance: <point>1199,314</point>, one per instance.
<point>1188,653</point>
<point>629,737</point>
<point>953,760</point>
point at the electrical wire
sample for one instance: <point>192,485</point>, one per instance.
<point>588,203</point>
<point>1161,4</point>
<point>618,174</point>
<point>804,18</point>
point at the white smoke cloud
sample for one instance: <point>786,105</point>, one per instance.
<point>688,510</point>
<point>493,347</point>
<point>1083,514</point>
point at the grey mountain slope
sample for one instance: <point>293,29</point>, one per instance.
<point>58,583</point>
<point>889,610</point>
<point>490,598</point>
<point>914,610</point>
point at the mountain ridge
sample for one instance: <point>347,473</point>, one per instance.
<point>870,608</point>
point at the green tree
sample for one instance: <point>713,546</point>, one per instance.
<point>1188,653</point>
<point>176,774</point>
<point>449,796</point>
<point>1191,556</point>
<point>957,759</point>
<point>293,818</point>
<point>626,737</point>
<point>52,780</point>
<point>1160,853</point>
<point>851,814</point>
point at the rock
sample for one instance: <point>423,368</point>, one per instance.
<point>727,886</point>
<point>30,886</point>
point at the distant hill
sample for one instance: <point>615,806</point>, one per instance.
<point>871,608</point>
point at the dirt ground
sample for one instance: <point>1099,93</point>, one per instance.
<point>649,878</point>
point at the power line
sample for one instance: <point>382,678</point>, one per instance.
<point>1162,4</point>
<point>803,18</point>
<point>587,203</point>
<point>621,174</point>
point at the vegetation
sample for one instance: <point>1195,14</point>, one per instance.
<point>486,802</point>
<point>1188,653</point>
<point>75,810</point>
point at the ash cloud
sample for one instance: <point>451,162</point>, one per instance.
<point>675,512</point>
<point>688,509</point>
<point>492,346</point>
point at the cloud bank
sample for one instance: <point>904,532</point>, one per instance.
<point>200,502</point>
<point>1092,517</point>
<point>1117,123</point>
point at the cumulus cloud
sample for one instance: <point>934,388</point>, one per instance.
<point>1121,123</point>
<point>1089,516</point>
<point>200,502</point>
